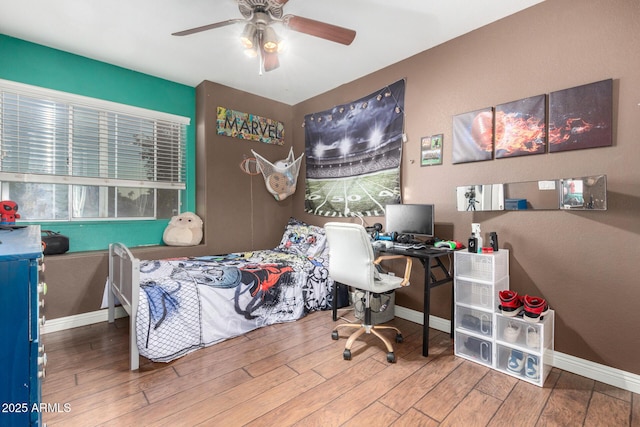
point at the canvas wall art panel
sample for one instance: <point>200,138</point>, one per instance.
<point>581,117</point>
<point>520,127</point>
<point>473,136</point>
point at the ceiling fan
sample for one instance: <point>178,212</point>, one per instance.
<point>260,39</point>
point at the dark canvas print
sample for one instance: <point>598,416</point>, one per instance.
<point>353,155</point>
<point>581,117</point>
<point>473,136</point>
<point>520,127</point>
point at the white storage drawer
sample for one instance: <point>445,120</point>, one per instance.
<point>535,367</point>
<point>532,337</point>
<point>531,342</point>
<point>483,334</point>
<point>489,267</point>
<point>478,294</point>
<point>474,348</point>
<point>474,321</point>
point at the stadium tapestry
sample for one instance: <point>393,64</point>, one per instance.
<point>353,155</point>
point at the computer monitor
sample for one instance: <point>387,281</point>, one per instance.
<point>410,219</point>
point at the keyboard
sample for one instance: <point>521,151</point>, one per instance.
<point>406,246</point>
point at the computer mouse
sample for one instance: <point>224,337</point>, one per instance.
<point>445,244</point>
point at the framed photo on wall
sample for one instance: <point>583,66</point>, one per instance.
<point>520,127</point>
<point>473,136</point>
<point>581,117</point>
<point>431,150</point>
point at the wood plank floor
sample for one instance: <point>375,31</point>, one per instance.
<point>294,374</point>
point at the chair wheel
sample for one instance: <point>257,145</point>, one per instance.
<point>391,357</point>
<point>399,338</point>
<point>347,354</point>
<point>335,335</point>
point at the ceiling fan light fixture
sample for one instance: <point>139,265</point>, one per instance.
<point>270,41</point>
<point>260,39</point>
<point>251,52</point>
<point>248,36</point>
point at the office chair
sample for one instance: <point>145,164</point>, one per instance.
<point>352,263</point>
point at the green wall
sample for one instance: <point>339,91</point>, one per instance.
<point>37,65</point>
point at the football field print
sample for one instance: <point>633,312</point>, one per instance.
<point>353,154</point>
<point>364,195</point>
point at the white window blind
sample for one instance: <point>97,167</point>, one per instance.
<point>51,137</point>
<point>59,139</point>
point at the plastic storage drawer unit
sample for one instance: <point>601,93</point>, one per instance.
<point>474,348</point>
<point>480,294</point>
<point>489,267</point>
<point>474,321</point>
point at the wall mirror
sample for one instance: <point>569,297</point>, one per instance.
<point>484,197</point>
<point>584,193</point>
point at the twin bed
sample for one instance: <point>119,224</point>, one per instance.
<point>179,305</point>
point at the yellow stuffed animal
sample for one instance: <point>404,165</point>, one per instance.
<point>183,230</point>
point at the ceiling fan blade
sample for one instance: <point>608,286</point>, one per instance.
<point>319,29</point>
<point>207,27</point>
<point>280,2</point>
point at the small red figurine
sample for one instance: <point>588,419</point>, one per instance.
<point>8,212</point>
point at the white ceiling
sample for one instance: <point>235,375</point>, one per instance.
<point>136,34</point>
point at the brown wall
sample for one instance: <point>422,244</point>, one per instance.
<point>584,263</point>
<point>240,213</point>
<point>76,280</point>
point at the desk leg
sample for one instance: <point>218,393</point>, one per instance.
<point>426,308</point>
<point>453,303</point>
<point>334,303</point>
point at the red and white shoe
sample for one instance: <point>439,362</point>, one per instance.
<point>510,303</point>
<point>534,308</point>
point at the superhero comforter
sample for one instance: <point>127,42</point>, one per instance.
<point>189,303</point>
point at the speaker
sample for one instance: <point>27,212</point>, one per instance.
<point>493,240</point>
<point>54,243</point>
<point>473,245</point>
<point>343,295</point>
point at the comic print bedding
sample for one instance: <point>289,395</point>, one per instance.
<point>190,303</point>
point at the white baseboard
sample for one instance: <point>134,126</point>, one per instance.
<point>595,371</point>
<point>77,320</point>
<point>605,374</point>
<point>414,316</point>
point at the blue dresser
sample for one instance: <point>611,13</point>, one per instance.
<point>22,357</point>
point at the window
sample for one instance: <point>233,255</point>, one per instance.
<point>67,157</point>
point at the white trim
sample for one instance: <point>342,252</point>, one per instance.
<point>595,371</point>
<point>414,316</point>
<point>84,180</point>
<point>77,320</point>
<point>605,374</point>
<point>86,101</point>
